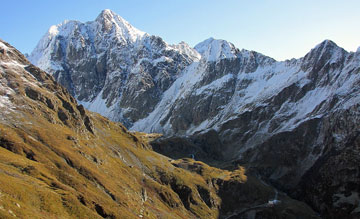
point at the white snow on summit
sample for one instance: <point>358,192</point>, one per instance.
<point>107,25</point>
<point>185,48</point>
<point>110,21</point>
<point>213,49</point>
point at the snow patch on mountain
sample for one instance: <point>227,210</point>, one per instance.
<point>302,110</point>
<point>214,85</point>
<point>179,90</point>
<point>110,21</point>
<point>266,82</point>
<point>183,47</point>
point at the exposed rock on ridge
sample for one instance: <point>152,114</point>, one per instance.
<point>293,122</point>
<point>110,66</point>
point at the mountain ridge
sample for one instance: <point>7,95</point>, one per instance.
<point>112,61</point>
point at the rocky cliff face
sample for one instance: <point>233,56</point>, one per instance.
<point>289,121</point>
<point>111,67</point>
<point>293,122</point>
<point>59,160</point>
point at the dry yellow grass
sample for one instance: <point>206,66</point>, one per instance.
<point>52,171</point>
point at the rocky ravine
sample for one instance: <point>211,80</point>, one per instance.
<point>59,160</point>
<point>294,122</point>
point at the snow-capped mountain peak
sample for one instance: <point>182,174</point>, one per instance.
<point>325,52</point>
<point>110,66</point>
<point>107,25</point>
<point>110,21</point>
<point>106,13</point>
<point>214,49</point>
<point>53,30</point>
<point>327,46</point>
<point>183,47</point>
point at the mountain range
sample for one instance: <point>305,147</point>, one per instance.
<point>292,123</point>
<point>59,160</point>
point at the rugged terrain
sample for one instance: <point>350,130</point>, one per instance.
<point>294,122</point>
<point>59,160</point>
<point>110,66</point>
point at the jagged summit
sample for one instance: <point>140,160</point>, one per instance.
<point>105,13</point>
<point>109,20</point>
<point>214,49</point>
<point>123,68</point>
<point>325,52</point>
<point>326,45</point>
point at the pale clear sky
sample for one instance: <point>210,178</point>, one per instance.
<point>282,29</point>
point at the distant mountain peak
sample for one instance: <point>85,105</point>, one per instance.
<point>327,51</point>
<point>326,44</point>
<point>107,12</point>
<point>215,49</point>
<point>110,21</point>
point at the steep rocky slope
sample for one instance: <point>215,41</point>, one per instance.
<point>59,160</point>
<point>293,122</point>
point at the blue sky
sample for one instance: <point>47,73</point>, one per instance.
<point>277,28</point>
